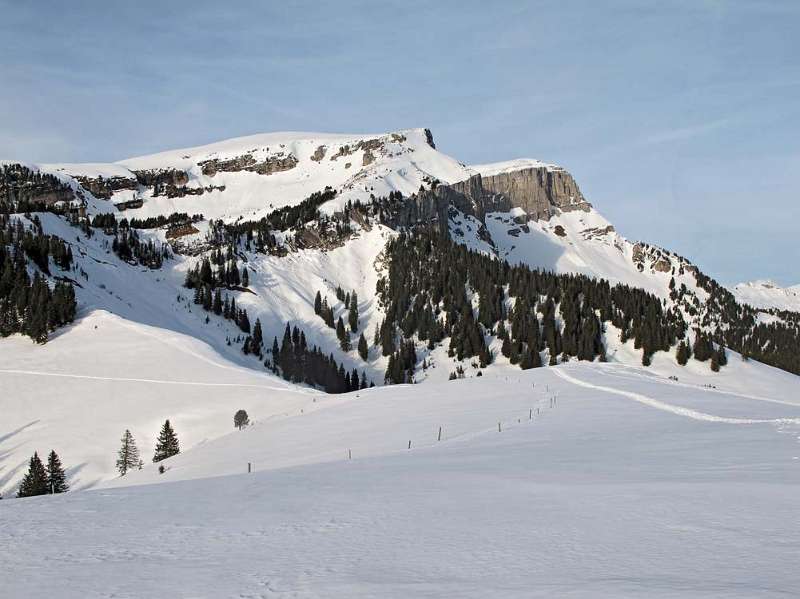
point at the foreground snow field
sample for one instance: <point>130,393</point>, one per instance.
<point>629,485</point>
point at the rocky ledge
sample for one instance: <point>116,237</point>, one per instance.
<point>273,164</point>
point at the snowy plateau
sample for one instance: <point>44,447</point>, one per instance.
<point>590,478</point>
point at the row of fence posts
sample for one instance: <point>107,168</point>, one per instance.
<point>439,436</point>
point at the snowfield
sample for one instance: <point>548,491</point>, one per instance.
<point>627,484</point>
<point>767,294</point>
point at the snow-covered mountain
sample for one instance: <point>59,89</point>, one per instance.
<point>613,478</point>
<point>133,317</point>
<point>768,294</point>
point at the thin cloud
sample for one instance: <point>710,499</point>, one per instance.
<point>684,133</point>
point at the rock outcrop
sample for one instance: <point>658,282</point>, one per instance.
<point>104,187</point>
<point>246,162</point>
<point>539,191</point>
<point>20,184</point>
<point>163,176</point>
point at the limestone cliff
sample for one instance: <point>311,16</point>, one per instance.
<point>539,191</point>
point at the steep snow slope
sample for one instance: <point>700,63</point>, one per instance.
<point>767,294</point>
<point>606,492</point>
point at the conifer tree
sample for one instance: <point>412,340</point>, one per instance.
<point>128,456</point>
<point>167,443</point>
<point>682,354</point>
<point>722,356</point>
<point>318,304</point>
<point>35,481</point>
<point>258,337</point>
<point>353,315</point>
<point>363,350</point>
<point>343,335</point>
<point>217,305</point>
<point>56,478</point>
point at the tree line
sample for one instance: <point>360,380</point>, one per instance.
<point>28,304</point>
<point>295,361</point>
<point>437,288</point>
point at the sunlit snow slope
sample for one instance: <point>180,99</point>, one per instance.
<point>624,485</point>
<point>766,294</point>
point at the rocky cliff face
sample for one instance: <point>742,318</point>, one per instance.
<point>161,176</point>
<point>104,187</point>
<point>272,164</point>
<point>540,192</point>
<point>19,184</point>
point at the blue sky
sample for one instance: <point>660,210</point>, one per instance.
<point>679,120</point>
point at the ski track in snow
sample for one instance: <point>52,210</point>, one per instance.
<point>631,371</point>
<point>680,411</point>
<point>136,380</point>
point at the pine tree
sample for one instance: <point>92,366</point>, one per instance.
<point>363,350</point>
<point>258,337</point>
<point>167,443</point>
<point>318,304</point>
<point>56,477</point>
<point>128,456</point>
<point>35,481</point>
<point>722,356</point>
<point>682,354</point>
<point>245,277</point>
<point>343,335</point>
<point>353,315</point>
<point>217,305</point>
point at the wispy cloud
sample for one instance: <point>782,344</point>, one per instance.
<point>684,133</point>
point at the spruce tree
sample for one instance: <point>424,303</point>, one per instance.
<point>682,354</point>
<point>128,456</point>
<point>57,479</point>
<point>167,443</point>
<point>35,481</point>
<point>258,337</point>
<point>318,304</point>
<point>353,315</point>
<point>722,356</point>
<point>363,350</point>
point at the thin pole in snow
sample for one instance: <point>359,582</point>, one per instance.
<point>530,414</point>
<point>349,454</point>
<point>249,468</point>
<point>440,434</point>
<point>409,443</point>
<point>499,429</point>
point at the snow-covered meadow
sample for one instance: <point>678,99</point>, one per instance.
<point>627,484</point>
